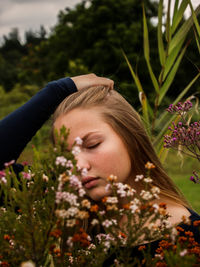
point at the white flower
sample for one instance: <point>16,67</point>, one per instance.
<point>86,203</point>
<point>3,180</point>
<point>61,161</point>
<point>112,200</point>
<point>69,241</point>
<point>155,190</point>
<point>71,222</point>
<point>156,207</point>
<point>69,164</point>
<point>67,197</point>
<point>108,223</point>
<point>173,234</point>
<point>45,178</point>
<point>84,172</point>
<point>75,182</point>
<point>94,222</point>
<point>71,259</point>
<point>76,150</point>
<point>81,192</point>
<point>139,177</point>
<point>107,187</point>
<point>27,264</point>
<point>148,180</point>
<point>124,190</point>
<point>153,226</point>
<point>133,208</point>
<point>146,195</point>
<point>61,214</point>
<point>183,252</point>
<point>135,201</point>
<point>78,141</point>
<point>158,256</point>
<point>82,214</point>
<point>92,246</point>
<point>72,211</point>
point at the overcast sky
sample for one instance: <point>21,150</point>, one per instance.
<point>30,14</point>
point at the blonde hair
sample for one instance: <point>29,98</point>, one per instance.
<point>126,122</point>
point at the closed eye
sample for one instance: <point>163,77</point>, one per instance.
<point>93,146</point>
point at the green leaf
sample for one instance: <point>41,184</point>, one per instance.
<point>180,96</point>
<point>168,27</point>
<point>171,59</point>
<point>142,96</point>
<point>176,4</point>
<point>144,103</point>
<point>135,77</point>
<point>182,32</point>
<point>170,78</point>
<point>146,36</point>
<point>195,18</point>
<point>178,15</point>
<point>197,40</point>
<point>162,154</point>
<point>159,34</point>
<point>153,78</point>
<point>146,52</point>
<point>158,142</point>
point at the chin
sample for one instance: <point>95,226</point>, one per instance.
<point>97,194</point>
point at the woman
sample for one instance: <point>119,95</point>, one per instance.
<point>115,142</point>
<point>17,129</point>
<point>114,139</point>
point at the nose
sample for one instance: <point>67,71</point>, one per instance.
<point>82,161</point>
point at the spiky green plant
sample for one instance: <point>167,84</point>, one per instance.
<point>172,45</point>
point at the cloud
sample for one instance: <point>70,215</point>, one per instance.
<point>30,14</point>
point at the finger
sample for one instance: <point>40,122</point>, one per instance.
<point>106,82</point>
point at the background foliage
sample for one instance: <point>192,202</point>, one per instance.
<point>90,38</point>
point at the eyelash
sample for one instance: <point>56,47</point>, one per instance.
<point>93,146</point>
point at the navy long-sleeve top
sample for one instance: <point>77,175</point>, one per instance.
<point>17,129</point>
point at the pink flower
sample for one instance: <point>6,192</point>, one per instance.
<point>7,164</point>
<point>2,174</point>
<point>25,163</point>
<point>26,175</point>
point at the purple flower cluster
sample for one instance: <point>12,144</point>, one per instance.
<point>180,107</point>
<point>195,178</point>
<point>184,135</point>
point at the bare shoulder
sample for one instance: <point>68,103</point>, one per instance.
<point>176,212</point>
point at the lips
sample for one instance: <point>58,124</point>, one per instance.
<point>89,182</point>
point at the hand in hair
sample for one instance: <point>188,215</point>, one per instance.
<point>89,80</point>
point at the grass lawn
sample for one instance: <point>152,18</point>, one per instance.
<point>180,171</point>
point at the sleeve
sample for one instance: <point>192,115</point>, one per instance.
<point>17,129</point>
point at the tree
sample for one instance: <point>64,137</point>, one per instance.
<point>96,31</point>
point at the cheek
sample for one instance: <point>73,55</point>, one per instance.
<point>112,161</point>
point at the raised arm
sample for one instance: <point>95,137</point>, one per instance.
<point>17,129</point>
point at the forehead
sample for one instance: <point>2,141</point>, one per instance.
<point>81,121</point>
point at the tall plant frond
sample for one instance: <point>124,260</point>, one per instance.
<point>146,52</point>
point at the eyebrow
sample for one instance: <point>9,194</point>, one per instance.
<point>85,137</point>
